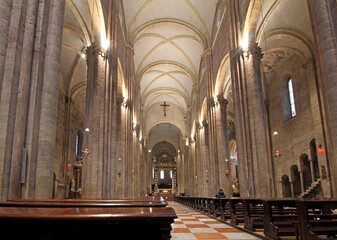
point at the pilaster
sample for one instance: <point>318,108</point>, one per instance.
<point>324,26</point>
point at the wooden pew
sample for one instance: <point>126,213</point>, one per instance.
<point>253,213</point>
<point>236,210</point>
<point>225,212</point>
<point>87,219</point>
<point>317,218</point>
<point>280,218</point>
<point>130,202</point>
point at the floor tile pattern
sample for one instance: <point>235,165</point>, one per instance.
<point>191,224</point>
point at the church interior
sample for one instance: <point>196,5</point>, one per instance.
<point>126,99</point>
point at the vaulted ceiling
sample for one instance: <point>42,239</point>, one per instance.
<point>169,38</point>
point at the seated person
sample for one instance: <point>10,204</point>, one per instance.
<point>221,194</point>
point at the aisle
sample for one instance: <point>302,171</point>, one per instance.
<point>191,224</point>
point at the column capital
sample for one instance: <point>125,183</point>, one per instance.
<point>223,101</point>
<point>95,49</point>
<point>255,50</point>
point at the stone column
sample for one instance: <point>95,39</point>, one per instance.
<point>250,115</point>
<point>223,145</point>
<point>155,180</point>
<point>208,183</point>
<point>292,189</point>
<point>323,16</point>
<point>302,181</point>
<point>180,171</point>
<point>49,102</point>
<point>94,116</point>
<point>5,16</point>
<point>312,169</point>
<point>19,152</point>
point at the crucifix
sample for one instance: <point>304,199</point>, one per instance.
<point>164,106</point>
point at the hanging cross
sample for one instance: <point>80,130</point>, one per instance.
<point>164,106</point>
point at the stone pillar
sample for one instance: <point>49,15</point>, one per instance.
<point>180,171</point>
<point>193,190</point>
<point>15,72</point>
<point>312,168</point>
<point>302,181</point>
<point>49,102</point>
<point>208,184</point>
<point>223,145</point>
<point>323,16</point>
<point>156,180</point>
<point>292,189</point>
<point>200,160</point>
<point>5,16</point>
<point>12,34</point>
<point>250,115</point>
<point>94,116</point>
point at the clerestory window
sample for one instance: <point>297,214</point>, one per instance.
<point>291,98</point>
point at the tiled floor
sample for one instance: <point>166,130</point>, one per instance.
<point>193,225</point>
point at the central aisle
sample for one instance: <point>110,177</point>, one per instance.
<point>191,224</point>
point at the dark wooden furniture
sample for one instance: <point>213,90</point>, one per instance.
<point>253,213</point>
<point>236,210</point>
<point>310,219</point>
<point>317,218</point>
<point>280,218</point>
<point>86,219</point>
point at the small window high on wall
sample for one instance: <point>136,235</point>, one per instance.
<point>79,143</point>
<point>162,174</point>
<point>291,98</point>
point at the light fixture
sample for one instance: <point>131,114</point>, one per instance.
<point>83,55</point>
<point>277,154</point>
<point>105,44</point>
<point>87,129</point>
<point>321,149</point>
<point>86,152</point>
<point>245,47</point>
<point>275,132</point>
<point>149,150</point>
<point>227,172</point>
<point>226,160</point>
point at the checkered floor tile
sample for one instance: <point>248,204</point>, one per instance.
<point>193,225</point>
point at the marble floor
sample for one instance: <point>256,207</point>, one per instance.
<point>191,224</point>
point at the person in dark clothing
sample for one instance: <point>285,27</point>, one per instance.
<point>236,194</point>
<point>221,194</point>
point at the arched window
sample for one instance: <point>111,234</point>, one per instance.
<point>291,98</point>
<point>79,143</point>
<point>287,97</point>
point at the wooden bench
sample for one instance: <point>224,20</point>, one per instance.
<point>236,210</point>
<point>253,213</point>
<point>131,202</point>
<point>90,219</point>
<point>317,218</point>
<point>280,218</point>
